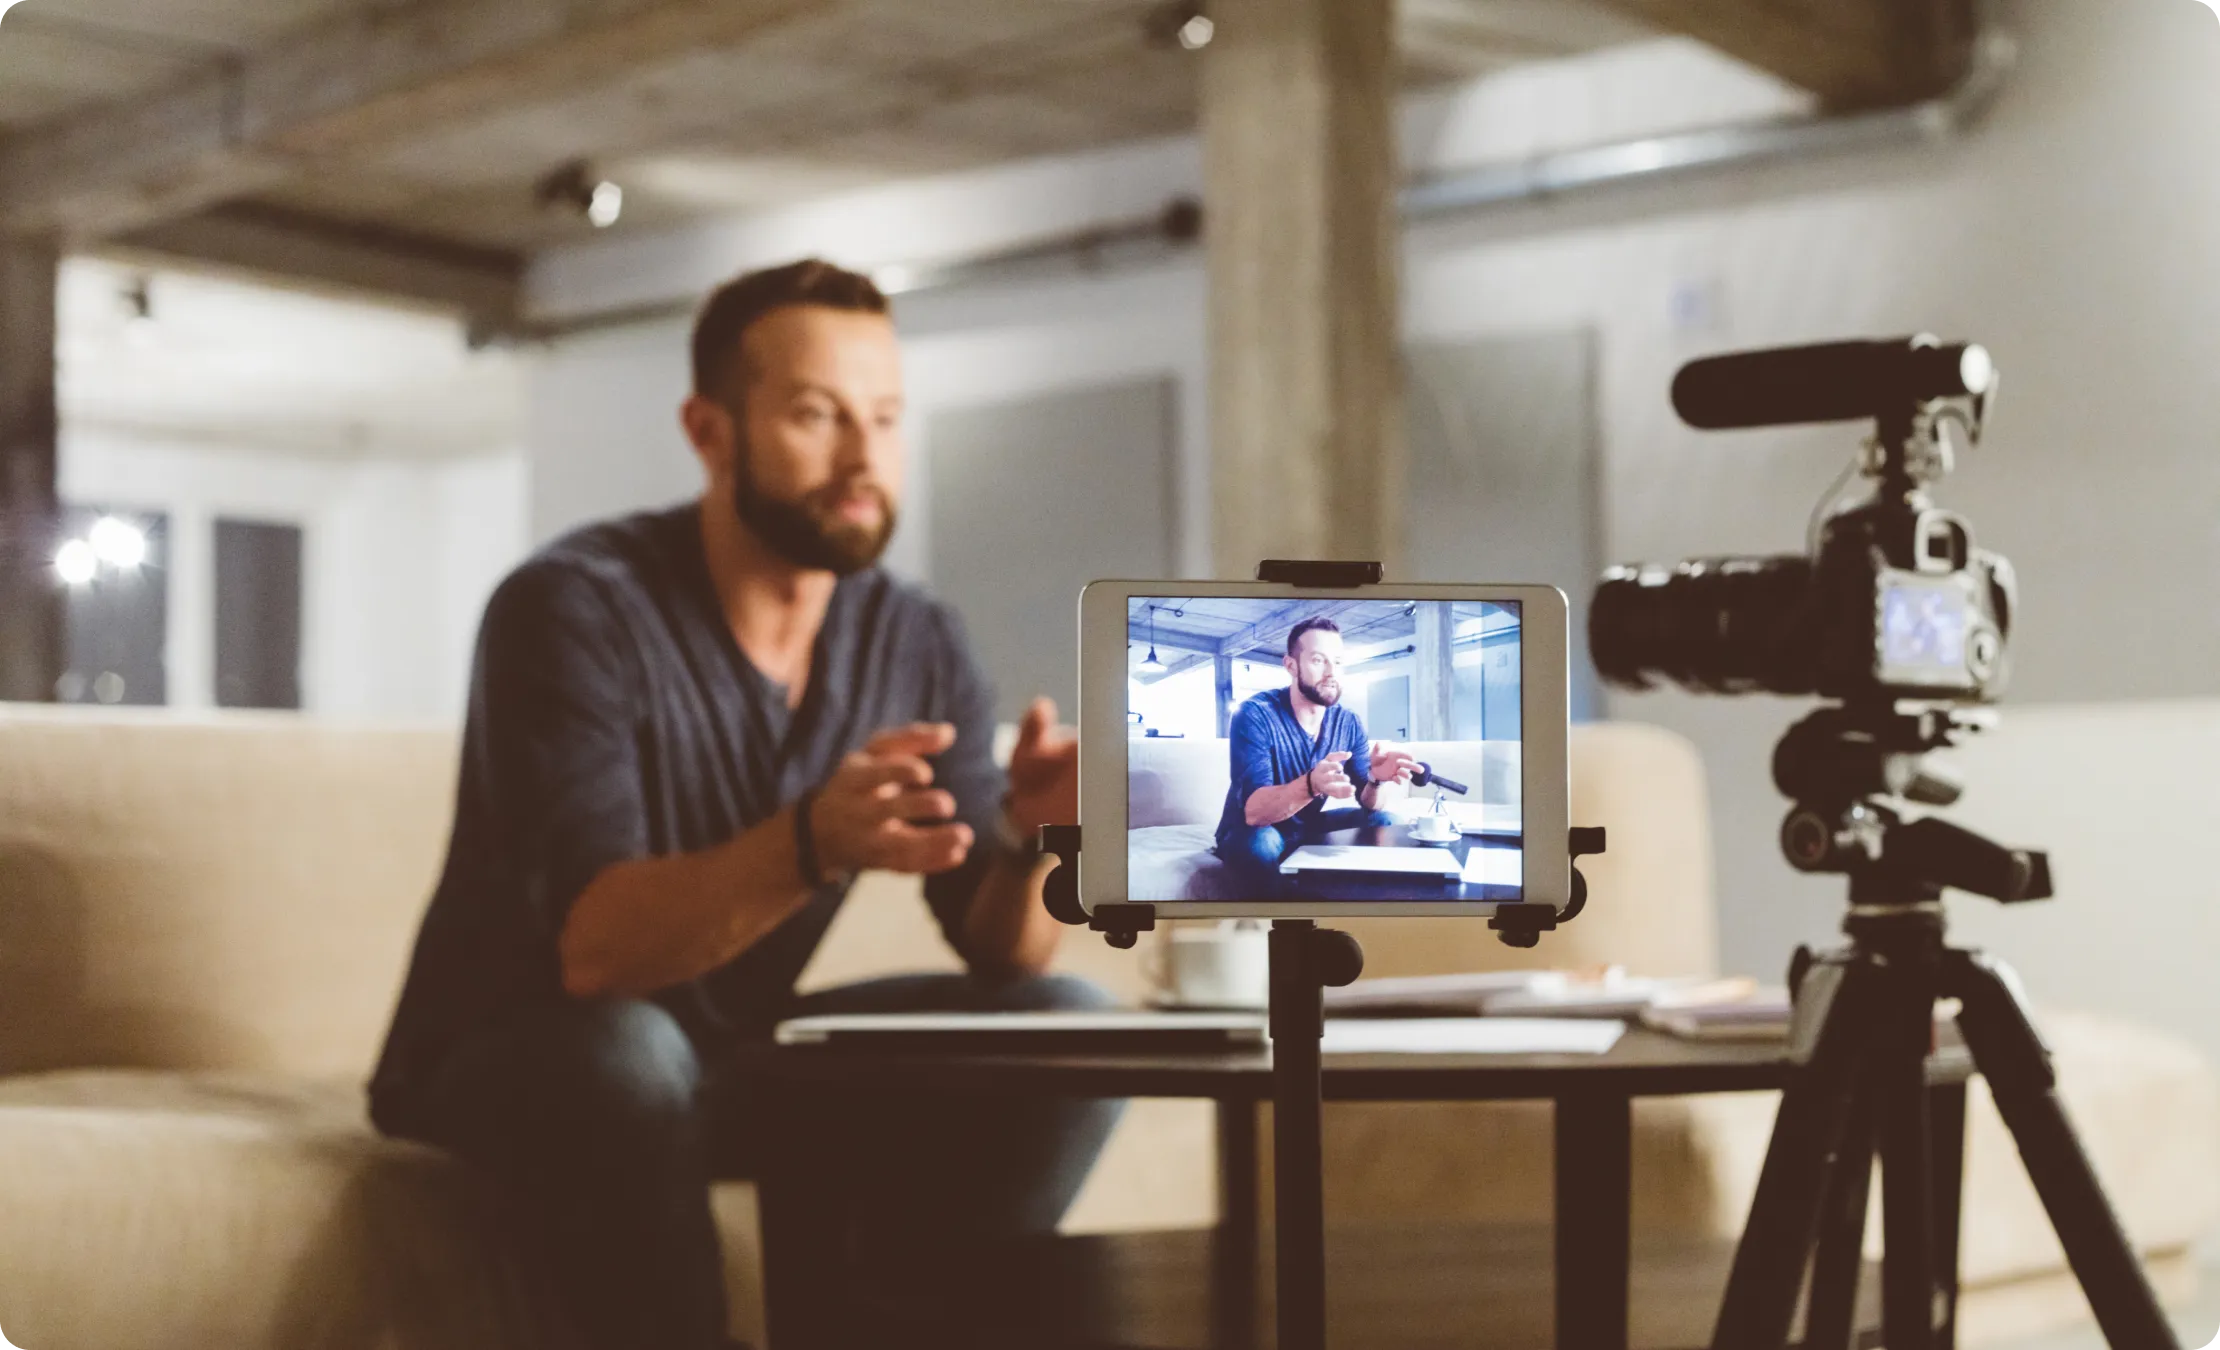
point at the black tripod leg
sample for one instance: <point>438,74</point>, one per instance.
<point>1899,1079</point>
<point>2011,1055</point>
<point>1299,1248</point>
<point>1831,1321</point>
<point>1305,961</point>
<point>1836,1006</point>
<point>1946,1114</point>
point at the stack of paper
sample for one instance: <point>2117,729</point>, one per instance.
<point>1621,995</point>
<point>1757,1015</point>
<point>1609,993</point>
<point>1469,1036</point>
<point>1466,994</point>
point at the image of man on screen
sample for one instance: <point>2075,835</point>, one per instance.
<point>1302,767</point>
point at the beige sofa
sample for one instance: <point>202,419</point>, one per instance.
<point>203,924</point>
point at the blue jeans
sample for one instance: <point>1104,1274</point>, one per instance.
<point>1254,853</point>
<point>601,1129</point>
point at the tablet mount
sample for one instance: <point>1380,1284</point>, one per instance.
<point>1306,960</point>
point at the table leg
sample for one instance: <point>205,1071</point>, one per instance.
<point>1595,1199</point>
<point>1234,1254</point>
<point>801,1265</point>
<point>1946,1115</point>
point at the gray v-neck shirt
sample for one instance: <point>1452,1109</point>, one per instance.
<point>613,717</point>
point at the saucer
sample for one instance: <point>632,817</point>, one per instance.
<point>1158,1001</point>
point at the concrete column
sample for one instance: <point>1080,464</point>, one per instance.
<point>1222,685</point>
<point>31,602</point>
<point>1433,674</point>
<point>1306,384</point>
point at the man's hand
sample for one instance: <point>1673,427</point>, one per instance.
<point>863,814</point>
<point>1330,778</point>
<point>1044,771</point>
<point>1008,931</point>
<point>1390,765</point>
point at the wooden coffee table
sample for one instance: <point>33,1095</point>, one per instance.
<point>1591,1241</point>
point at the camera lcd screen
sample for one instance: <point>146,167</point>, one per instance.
<point>1923,629</point>
<point>1342,751</point>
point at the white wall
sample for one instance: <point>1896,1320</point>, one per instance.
<point>602,427</point>
<point>398,557</point>
<point>604,431</point>
<point>376,428</point>
<point>2075,233</point>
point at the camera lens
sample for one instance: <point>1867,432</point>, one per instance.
<point>1714,625</point>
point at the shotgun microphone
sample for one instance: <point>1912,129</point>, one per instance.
<point>1830,382</point>
<point>1424,776</point>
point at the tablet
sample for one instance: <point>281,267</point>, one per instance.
<point>1258,750</point>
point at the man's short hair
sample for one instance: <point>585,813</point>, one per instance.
<point>1314,624</point>
<point>733,308</point>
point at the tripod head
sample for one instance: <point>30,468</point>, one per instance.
<point>1847,767</point>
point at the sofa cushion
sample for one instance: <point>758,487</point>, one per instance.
<point>245,1211</point>
<point>1175,862</point>
<point>1172,781</point>
<point>234,891</point>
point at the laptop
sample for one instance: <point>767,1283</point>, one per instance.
<point>1030,1032</point>
<point>1377,858</point>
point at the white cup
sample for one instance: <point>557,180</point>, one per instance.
<point>1434,829</point>
<point>1225,966</point>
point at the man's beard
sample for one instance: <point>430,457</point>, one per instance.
<point>1319,696</point>
<point>808,531</point>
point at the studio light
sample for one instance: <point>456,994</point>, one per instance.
<point>76,563</point>
<point>118,543</point>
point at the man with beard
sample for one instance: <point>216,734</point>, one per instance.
<point>1301,765</point>
<point>688,732</point>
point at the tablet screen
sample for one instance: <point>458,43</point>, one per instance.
<point>1322,750</point>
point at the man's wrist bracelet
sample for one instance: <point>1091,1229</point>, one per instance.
<point>1023,845</point>
<point>805,842</point>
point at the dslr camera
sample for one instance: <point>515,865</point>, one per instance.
<point>1895,617</point>
<point>1894,601</point>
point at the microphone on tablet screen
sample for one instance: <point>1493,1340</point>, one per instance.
<point>1424,776</point>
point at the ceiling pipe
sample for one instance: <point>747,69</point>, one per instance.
<point>1739,146</point>
<point>1548,177</point>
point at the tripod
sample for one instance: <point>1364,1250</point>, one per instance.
<point>1862,1032</point>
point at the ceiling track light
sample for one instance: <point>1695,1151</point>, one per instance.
<point>1179,24</point>
<point>574,188</point>
<point>1152,666</point>
<point>137,298</point>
